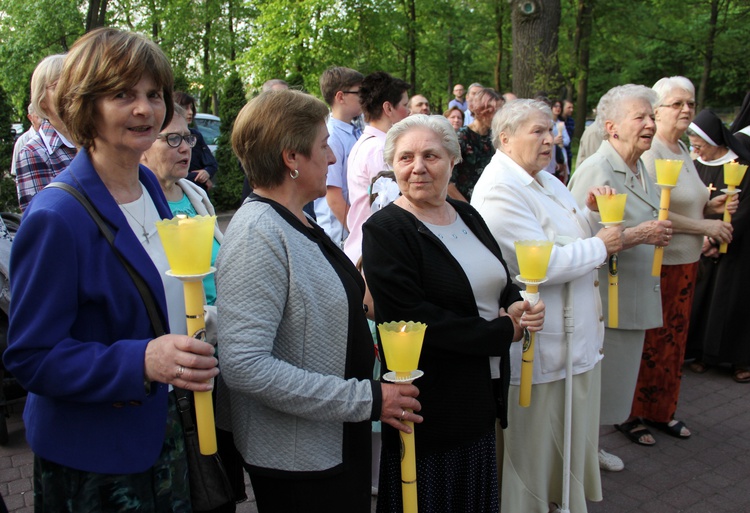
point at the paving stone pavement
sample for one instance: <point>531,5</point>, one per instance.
<point>708,473</point>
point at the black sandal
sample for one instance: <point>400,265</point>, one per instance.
<point>635,431</point>
<point>674,430</point>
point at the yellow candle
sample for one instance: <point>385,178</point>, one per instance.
<point>667,171</point>
<point>402,345</point>
<point>734,172</point>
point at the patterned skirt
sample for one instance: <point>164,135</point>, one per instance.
<point>659,377</point>
<point>162,488</point>
<point>462,479</point>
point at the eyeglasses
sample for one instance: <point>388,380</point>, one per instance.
<point>680,105</point>
<point>174,140</point>
<point>697,147</point>
<point>350,92</point>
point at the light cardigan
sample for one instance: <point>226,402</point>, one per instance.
<point>202,205</point>
<point>689,199</point>
<point>515,206</point>
<point>282,345</point>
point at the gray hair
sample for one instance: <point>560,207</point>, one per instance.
<point>664,87</point>
<point>610,106</point>
<point>514,114</point>
<point>45,74</point>
<point>438,124</point>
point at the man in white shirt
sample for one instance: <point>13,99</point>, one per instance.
<point>24,137</point>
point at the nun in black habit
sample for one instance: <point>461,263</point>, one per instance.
<point>719,324</point>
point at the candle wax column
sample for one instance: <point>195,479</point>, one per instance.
<point>204,406</point>
<point>527,361</point>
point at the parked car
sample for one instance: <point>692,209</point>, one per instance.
<point>208,124</point>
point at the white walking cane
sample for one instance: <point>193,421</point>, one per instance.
<point>568,427</point>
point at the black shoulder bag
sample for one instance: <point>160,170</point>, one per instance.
<point>210,488</point>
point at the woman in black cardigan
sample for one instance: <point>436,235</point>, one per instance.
<point>435,261</point>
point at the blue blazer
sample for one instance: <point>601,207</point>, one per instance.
<point>79,329</point>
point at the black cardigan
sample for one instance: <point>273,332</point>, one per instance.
<point>413,277</point>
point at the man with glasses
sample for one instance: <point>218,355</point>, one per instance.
<point>459,100</point>
<point>340,89</point>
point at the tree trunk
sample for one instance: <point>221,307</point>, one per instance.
<point>96,14</point>
<point>535,35</point>
<point>412,42</point>
<point>708,56</point>
<point>582,45</point>
<point>499,18</point>
<point>205,93</point>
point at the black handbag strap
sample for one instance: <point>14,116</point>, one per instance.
<point>140,283</point>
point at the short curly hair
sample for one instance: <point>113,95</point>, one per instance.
<point>270,123</point>
<point>611,106</point>
<point>103,62</point>
<point>378,88</point>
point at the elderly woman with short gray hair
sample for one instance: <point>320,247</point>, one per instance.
<point>520,201</point>
<point>625,117</point>
<point>658,388</point>
<point>434,260</point>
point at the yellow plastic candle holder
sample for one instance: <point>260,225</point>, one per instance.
<point>734,172</point>
<point>533,259</point>
<point>188,242</point>
<point>402,344</point>
<point>667,171</point>
<point>611,207</point>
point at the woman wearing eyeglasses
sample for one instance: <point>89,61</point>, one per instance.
<point>658,387</point>
<point>169,159</point>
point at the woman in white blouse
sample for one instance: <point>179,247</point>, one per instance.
<point>519,202</point>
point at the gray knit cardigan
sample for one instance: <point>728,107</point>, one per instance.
<point>282,314</point>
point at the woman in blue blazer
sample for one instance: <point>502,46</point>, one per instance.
<point>99,417</point>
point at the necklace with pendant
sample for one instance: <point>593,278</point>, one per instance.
<point>143,224</point>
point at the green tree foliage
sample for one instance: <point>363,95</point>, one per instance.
<point>228,192</point>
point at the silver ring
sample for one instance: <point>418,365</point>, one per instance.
<point>180,371</point>
<point>403,414</point>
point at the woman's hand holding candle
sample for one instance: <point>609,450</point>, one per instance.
<point>524,316</point>
<point>397,400</point>
<point>718,204</point>
<point>181,361</point>
<point>718,230</point>
<point>612,237</point>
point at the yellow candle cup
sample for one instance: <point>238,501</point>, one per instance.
<point>402,344</point>
<point>611,207</point>
<point>734,172</point>
<point>533,258</point>
<point>188,242</point>
<point>667,171</point>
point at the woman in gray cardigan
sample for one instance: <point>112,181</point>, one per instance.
<point>296,351</point>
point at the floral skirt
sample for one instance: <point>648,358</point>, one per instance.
<point>659,377</point>
<point>162,488</point>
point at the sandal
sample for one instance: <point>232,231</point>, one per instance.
<point>636,432</point>
<point>699,367</point>
<point>741,374</point>
<point>674,430</point>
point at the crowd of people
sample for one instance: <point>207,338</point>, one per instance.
<point>412,217</point>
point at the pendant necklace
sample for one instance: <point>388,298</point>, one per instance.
<point>142,225</point>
